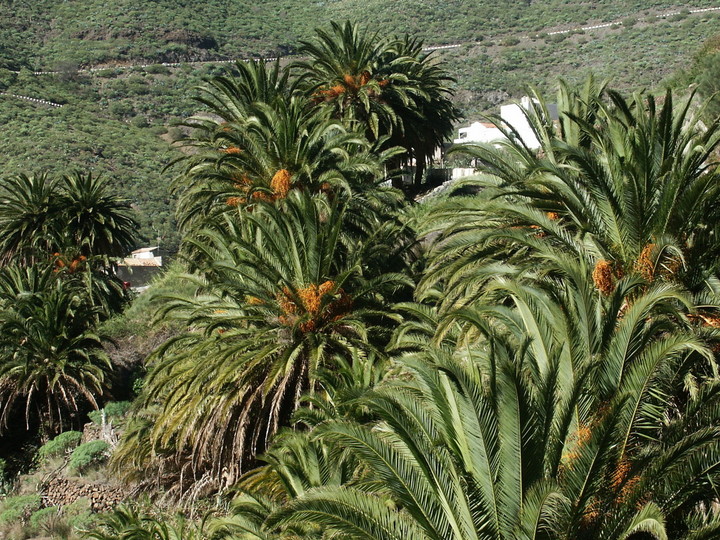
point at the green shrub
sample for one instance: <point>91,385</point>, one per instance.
<point>157,69</point>
<point>113,410</point>
<point>175,133</point>
<point>88,455</point>
<point>107,73</point>
<point>139,121</point>
<point>43,515</point>
<point>55,526</point>
<point>120,109</point>
<point>79,515</point>
<point>60,445</point>
<point>630,21</point>
<point>18,509</point>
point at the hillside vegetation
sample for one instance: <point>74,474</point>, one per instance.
<point>118,121</point>
<point>92,31</point>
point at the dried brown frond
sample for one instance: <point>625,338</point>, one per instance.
<point>712,321</point>
<point>241,181</point>
<point>262,196</point>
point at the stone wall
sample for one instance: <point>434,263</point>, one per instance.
<point>62,492</point>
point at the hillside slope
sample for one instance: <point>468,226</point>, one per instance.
<point>94,31</point>
<point>117,121</point>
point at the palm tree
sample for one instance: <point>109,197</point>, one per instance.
<point>74,216</point>
<point>126,522</point>
<point>26,218</point>
<point>488,437</point>
<point>627,185</point>
<point>94,222</point>
<point>73,225</point>
<point>52,366</point>
<point>261,142</point>
<point>390,89</point>
<point>427,121</point>
<point>284,293</point>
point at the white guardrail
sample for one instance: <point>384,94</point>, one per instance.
<point>34,100</point>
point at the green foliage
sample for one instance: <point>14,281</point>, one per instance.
<point>558,377</point>
<point>79,515</point>
<point>50,359</point>
<point>606,163</point>
<point>43,515</point>
<point>265,321</point>
<point>113,410</point>
<point>18,508</point>
<point>703,73</point>
<point>489,420</point>
<point>60,445</point>
<point>88,455</point>
<point>535,393</point>
<point>157,32</point>
<point>127,522</point>
<point>129,159</point>
<point>390,90</point>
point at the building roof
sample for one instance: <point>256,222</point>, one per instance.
<point>134,261</point>
<point>144,250</point>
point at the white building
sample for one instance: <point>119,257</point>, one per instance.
<point>140,267</point>
<point>143,257</point>
<point>513,115</point>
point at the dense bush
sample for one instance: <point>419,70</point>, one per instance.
<point>60,445</point>
<point>88,455</point>
<point>43,515</point>
<point>112,410</point>
<point>18,509</point>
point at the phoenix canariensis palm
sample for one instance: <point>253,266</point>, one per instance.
<point>489,438</point>
<point>73,224</point>
<point>284,292</point>
<point>343,72</point>
<point>295,464</point>
<point>26,218</point>
<point>427,119</point>
<point>41,216</point>
<point>126,522</point>
<point>96,222</point>
<point>642,363</point>
<point>389,88</point>
<point>52,365</point>
<point>97,229</point>
<point>628,185</point>
<point>260,142</point>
